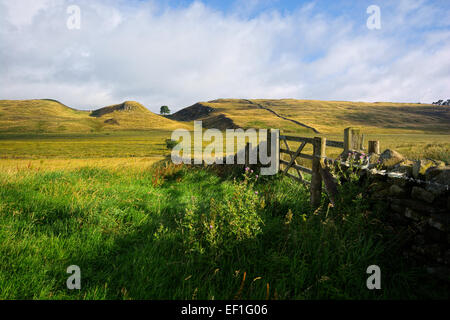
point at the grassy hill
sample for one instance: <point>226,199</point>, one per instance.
<point>291,116</point>
<point>415,130</point>
<point>50,116</point>
<point>233,113</point>
<point>327,117</point>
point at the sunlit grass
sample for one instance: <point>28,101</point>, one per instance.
<point>126,228</point>
<point>50,116</point>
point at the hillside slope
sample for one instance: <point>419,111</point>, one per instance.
<point>41,116</point>
<point>235,113</point>
<point>312,116</point>
<point>132,115</point>
<point>50,116</point>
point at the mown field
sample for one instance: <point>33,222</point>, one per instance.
<point>172,232</point>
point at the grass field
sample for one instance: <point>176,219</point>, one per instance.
<point>146,144</point>
<point>79,190</point>
<point>170,232</point>
<point>82,146</point>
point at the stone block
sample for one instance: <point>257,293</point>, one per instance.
<point>422,194</point>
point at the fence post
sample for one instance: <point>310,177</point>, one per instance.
<point>347,140</point>
<point>374,147</point>
<point>316,178</point>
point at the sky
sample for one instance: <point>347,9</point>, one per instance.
<point>177,53</point>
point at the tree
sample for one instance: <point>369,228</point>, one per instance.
<point>164,110</point>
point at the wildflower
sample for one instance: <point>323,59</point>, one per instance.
<point>210,226</point>
<point>247,168</point>
<point>256,192</point>
<point>251,171</point>
<point>257,176</point>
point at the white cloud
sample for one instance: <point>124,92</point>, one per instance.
<point>21,13</point>
<point>178,56</point>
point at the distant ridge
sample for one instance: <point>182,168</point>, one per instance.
<point>289,115</point>
<point>315,116</point>
<point>53,100</point>
<point>51,116</point>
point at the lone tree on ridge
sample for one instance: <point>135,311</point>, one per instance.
<point>164,110</point>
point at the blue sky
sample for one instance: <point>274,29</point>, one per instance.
<point>177,53</point>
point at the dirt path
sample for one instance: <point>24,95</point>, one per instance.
<point>284,118</point>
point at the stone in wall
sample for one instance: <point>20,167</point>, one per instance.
<point>422,194</point>
<point>389,158</point>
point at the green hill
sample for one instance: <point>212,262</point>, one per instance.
<point>132,115</point>
<point>312,116</point>
<point>50,116</point>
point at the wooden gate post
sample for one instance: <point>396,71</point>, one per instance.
<point>247,154</point>
<point>269,141</point>
<point>347,140</point>
<point>316,178</point>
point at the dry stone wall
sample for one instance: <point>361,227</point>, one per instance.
<point>417,196</point>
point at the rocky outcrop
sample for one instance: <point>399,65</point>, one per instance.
<point>194,112</point>
<point>111,121</point>
<point>126,107</point>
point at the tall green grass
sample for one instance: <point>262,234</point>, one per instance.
<point>173,232</point>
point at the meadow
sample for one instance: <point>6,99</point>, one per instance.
<point>82,190</point>
<point>174,232</point>
<point>144,144</point>
<point>128,144</point>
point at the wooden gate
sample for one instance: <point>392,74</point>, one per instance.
<point>319,171</point>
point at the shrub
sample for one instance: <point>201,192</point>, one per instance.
<point>228,222</point>
<point>170,144</point>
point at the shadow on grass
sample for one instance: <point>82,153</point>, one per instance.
<point>305,256</point>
